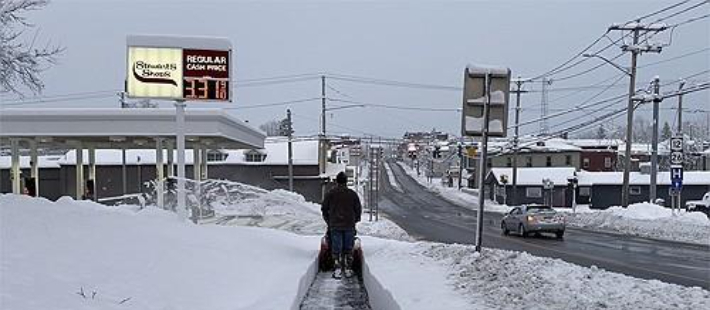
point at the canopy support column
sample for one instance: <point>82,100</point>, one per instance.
<point>203,163</point>
<point>34,169</point>
<point>171,162</point>
<point>159,172</point>
<point>15,168</point>
<point>92,174</point>
<point>79,170</point>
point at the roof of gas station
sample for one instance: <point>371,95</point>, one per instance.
<point>112,128</point>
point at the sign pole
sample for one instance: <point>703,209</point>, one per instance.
<point>483,163</point>
<point>180,138</point>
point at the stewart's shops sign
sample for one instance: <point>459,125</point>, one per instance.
<point>178,68</point>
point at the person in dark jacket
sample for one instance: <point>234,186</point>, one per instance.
<point>341,210</point>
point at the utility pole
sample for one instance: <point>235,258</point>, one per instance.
<point>635,50</point>
<point>290,149</point>
<point>516,138</point>
<point>680,109</point>
<point>124,173</point>
<point>544,128</point>
<point>654,143</point>
<point>322,96</point>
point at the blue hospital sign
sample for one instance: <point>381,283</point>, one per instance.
<point>676,177</point>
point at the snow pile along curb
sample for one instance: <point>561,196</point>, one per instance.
<point>646,220</point>
<point>514,280</point>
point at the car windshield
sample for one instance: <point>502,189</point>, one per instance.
<point>539,209</point>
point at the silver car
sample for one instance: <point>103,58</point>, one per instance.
<point>528,219</point>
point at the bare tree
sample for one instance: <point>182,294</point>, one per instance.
<point>21,61</point>
<point>271,128</point>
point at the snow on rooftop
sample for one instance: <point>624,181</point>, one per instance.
<point>305,152</point>
<point>559,175</point>
<point>551,145</point>
<point>46,161</point>
<point>638,178</point>
<point>595,143</point>
<point>534,176</point>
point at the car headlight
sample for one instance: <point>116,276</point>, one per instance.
<point>531,218</point>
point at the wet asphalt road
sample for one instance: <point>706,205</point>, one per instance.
<point>427,216</point>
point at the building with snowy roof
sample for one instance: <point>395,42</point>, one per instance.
<point>598,189</point>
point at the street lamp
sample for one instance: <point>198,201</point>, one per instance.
<point>345,107</point>
<point>573,181</point>
<point>622,69</point>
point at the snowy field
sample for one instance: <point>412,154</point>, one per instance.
<point>643,219</point>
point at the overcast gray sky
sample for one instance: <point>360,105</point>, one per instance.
<point>413,41</point>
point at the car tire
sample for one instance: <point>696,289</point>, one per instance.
<point>504,228</point>
<point>560,234</point>
<point>521,231</point>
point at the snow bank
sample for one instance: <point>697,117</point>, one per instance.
<point>392,180</point>
<point>646,220</point>
<point>415,281</point>
<point>245,205</point>
<point>500,279</point>
<point>123,259</point>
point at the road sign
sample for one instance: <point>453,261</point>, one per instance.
<point>677,157</point>
<point>677,144</point>
<point>677,177</point>
<point>179,68</point>
<point>475,98</point>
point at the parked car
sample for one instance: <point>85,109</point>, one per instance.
<point>528,219</point>
<point>702,205</point>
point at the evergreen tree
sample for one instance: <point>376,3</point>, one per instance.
<point>601,132</point>
<point>666,132</point>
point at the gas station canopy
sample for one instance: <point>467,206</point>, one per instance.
<point>125,128</point>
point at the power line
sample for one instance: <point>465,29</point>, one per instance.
<point>395,107</point>
<point>670,7</point>
<point>272,104</point>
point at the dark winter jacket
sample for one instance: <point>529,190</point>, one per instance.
<point>341,208</point>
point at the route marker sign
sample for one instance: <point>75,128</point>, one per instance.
<point>677,157</point>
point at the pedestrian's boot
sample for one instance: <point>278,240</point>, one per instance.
<point>337,267</point>
<point>348,264</point>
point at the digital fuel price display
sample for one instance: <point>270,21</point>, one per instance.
<point>206,75</point>
<point>164,72</point>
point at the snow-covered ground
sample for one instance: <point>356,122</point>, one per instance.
<point>645,220</point>
<point>148,259</point>
<point>121,258</point>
